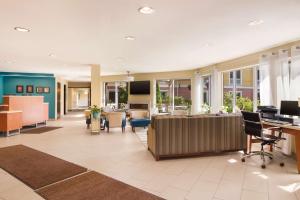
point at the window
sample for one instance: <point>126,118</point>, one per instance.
<point>164,93</point>
<point>238,91</point>
<point>116,93</point>
<point>206,90</point>
<point>173,94</point>
<point>182,94</point>
<point>237,79</point>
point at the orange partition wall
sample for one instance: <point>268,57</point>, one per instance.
<point>33,108</point>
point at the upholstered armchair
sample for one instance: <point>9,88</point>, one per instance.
<point>115,119</point>
<point>87,114</point>
<point>139,114</point>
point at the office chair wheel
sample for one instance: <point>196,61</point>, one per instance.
<point>263,166</point>
<point>281,164</point>
<point>243,160</point>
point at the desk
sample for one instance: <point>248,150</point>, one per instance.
<point>292,130</point>
<point>10,120</point>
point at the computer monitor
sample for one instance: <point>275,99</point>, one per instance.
<point>289,108</point>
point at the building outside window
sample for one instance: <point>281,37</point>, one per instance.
<point>173,94</point>
<point>237,78</point>
<point>238,90</point>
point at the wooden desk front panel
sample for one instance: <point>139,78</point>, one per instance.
<point>10,121</point>
<point>32,107</point>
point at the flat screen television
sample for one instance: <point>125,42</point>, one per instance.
<point>140,87</point>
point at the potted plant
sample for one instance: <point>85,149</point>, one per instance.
<point>95,110</point>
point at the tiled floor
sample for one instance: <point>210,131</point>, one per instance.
<point>124,157</point>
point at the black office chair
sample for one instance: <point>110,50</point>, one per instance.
<point>254,127</point>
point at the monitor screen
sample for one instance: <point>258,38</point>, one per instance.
<point>289,108</point>
<point>140,87</point>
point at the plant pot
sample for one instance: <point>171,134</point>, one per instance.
<point>95,115</point>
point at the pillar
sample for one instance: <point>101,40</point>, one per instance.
<point>197,90</point>
<point>95,85</point>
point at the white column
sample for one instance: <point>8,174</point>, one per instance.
<point>197,93</point>
<point>95,85</point>
<point>153,93</point>
<point>216,91</point>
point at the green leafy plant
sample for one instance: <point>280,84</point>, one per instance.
<point>123,94</point>
<point>158,98</point>
<point>243,103</point>
<point>95,110</point>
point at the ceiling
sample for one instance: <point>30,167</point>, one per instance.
<point>180,35</point>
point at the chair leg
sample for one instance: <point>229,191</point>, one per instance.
<point>263,157</point>
<point>249,143</point>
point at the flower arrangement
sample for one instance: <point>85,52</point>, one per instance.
<point>205,108</point>
<point>95,110</point>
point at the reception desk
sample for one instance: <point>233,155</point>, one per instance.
<point>33,108</point>
<point>10,120</point>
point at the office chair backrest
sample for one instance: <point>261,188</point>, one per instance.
<point>252,123</point>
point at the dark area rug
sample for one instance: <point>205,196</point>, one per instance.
<point>94,186</point>
<point>40,130</point>
<point>35,168</point>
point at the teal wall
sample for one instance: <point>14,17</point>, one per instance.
<point>1,89</point>
<point>11,80</point>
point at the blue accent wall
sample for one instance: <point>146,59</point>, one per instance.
<point>11,80</point>
<point>1,89</point>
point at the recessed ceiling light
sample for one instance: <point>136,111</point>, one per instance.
<point>256,22</point>
<point>51,55</point>
<point>21,29</point>
<point>130,38</point>
<point>146,10</point>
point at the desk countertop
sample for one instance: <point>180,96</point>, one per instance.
<point>12,111</point>
<point>289,126</point>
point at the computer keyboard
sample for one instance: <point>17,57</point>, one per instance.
<point>276,121</point>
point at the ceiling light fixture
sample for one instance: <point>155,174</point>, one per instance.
<point>146,10</point>
<point>22,29</point>
<point>51,55</point>
<point>256,22</point>
<point>130,38</point>
<point>129,78</point>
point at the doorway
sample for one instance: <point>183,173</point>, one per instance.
<point>58,100</point>
<point>65,99</point>
<point>79,98</point>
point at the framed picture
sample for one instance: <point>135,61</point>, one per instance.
<point>39,89</point>
<point>29,89</point>
<point>46,90</point>
<point>19,89</point>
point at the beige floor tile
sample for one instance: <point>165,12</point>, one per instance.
<point>185,181</point>
<point>172,193</point>
<point>228,190</point>
<point>212,174</point>
<point>20,192</point>
<point>202,190</point>
<point>251,195</point>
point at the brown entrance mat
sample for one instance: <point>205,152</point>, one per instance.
<point>40,129</point>
<point>35,168</point>
<point>94,186</point>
